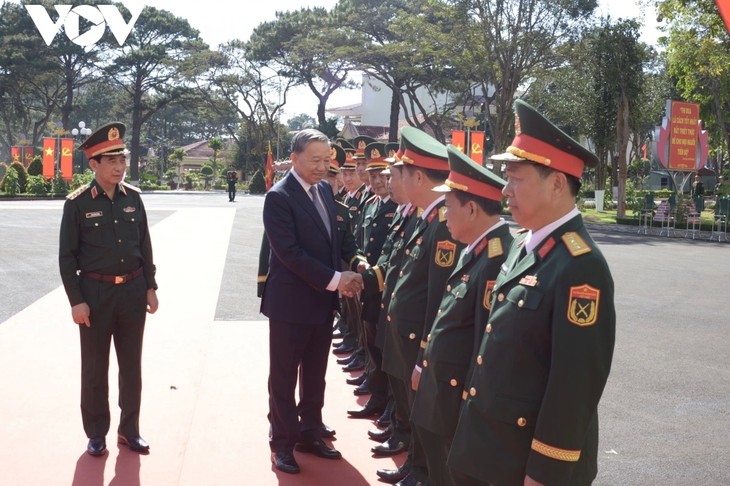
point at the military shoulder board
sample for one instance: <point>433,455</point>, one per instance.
<point>575,244</point>
<point>130,186</point>
<point>78,191</point>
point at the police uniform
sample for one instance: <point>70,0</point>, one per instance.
<point>460,318</point>
<point>530,407</point>
<point>430,257</point>
<point>231,178</point>
<point>105,259</point>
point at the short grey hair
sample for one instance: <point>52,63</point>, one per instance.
<point>304,137</point>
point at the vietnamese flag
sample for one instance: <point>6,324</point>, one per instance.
<point>477,147</point>
<point>15,154</point>
<point>28,153</point>
<point>724,7</point>
<point>458,140</point>
<point>49,157</point>
<point>67,151</point>
<point>269,171</point>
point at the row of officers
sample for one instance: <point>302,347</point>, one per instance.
<point>484,355</point>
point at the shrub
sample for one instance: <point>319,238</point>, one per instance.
<point>3,170</point>
<point>79,180</point>
<point>35,168</point>
<point>10,183</point>
<point>257,184</point>
<point>37,185</point>
<point>21,180</point>
<point>59,186</point>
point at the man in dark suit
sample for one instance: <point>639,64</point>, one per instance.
<point>300,297</point>
<point>529,415</point>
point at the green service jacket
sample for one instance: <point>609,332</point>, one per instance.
<point>530,406</point>
<point>430,257</point>
<point>462,315</point>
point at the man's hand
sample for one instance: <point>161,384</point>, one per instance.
<point>152,303</point>
<point>80,314</point>
<point>531,482</point>
<point>415,378</point>
<point>362,266</point>
<point>350,283</point>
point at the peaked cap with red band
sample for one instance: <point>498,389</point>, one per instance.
<point>106,140</point>
<point>375,153</point>
<point>360,142</point>
<point>467,176</point>
<point>337,158</point>
<point>539,141</point>
<point>422,150</point>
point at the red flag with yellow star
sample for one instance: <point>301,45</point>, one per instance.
<point>49,157</point>
<point>15,154</point>
<point>458,139</point>
<point>269,171</point>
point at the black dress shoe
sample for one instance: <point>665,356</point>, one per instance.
<point>347,359</point>
<point>96,446</point>
<point>337,335</point>
<point>409,481</point>
<point>285,462</point>
<point>355,365</point>
<point>384,419</point>
<point>380,435</point>
<point>136,444</point>
<point>391,447</point>
<point>392,476</point>
<point>344,349</point>
<point>318,448</point>
<point>363,389</point>
<point>326,432</point>
<point>367,411</point>
<point>358,380</point>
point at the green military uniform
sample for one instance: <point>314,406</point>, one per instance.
<point>105,259</point>
<point>530,407</point>
<point>459,323</point>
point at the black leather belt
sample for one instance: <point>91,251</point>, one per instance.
<point>115,279</point>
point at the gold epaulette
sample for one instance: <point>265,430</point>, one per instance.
<point>130,186</point>
<point>371,198</point>
<point>442,214</point>
<point>78,191</point>
<point>342,204</point>
<point>575,244</point>
<point>522,230</point>
<point>495,248</point>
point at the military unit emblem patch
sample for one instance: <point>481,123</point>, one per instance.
<point>445,253</point>
<point>583,305</point>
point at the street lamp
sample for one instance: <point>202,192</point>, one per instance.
<point>84,132</point>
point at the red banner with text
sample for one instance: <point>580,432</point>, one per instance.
<point>458,139</point>
<point>49,157</point>
<point>683,136</point>
<point>67,152</point>
<point>477,147</point>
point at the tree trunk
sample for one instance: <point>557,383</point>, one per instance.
<point>622,140</point>
<point>394,116</point>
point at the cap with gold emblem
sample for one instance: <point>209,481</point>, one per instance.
<point>360,142</point>
<point>422,150</point>
<point>539,141</point>
<point>375,155</point>
<point>337,159</point>
<point>467,176</point>
<point>392,152</point>
<point>106,140</point>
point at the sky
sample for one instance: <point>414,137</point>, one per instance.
<point>222,20</point>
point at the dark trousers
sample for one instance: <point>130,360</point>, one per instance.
<point>231,191</point>
<point>436,451</point>
<point>377,379</point>
<point>118,312</point>
<point>462,479</point>
<point>404,395</point>
<point>296,352</point>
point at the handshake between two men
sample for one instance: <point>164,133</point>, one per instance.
<point>351,283</point>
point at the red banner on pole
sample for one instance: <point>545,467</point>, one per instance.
<point>49,157</point>
<point>458,139</point>
<point>724,7</point>
<point>28,153</point>
<point>683,136</point>
<point>477,147</point>
<point>15,154</point>
<point>269,170</point>
<point>67,151</point>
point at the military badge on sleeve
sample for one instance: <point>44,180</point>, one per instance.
<point>583,305</point>
<point>488,294</point>
<point>445,253</point>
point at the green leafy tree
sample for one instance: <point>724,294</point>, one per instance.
<point>16,174</point>
<point>207,172</point>
<point>37,185</point>
<point>257,184</point>
<point>10,183</point>
<point>35,168</point>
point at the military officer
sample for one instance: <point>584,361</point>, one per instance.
<point>107,269</point>
<point>473,203</point>
<point>530,408</point>
<point>430,257</point>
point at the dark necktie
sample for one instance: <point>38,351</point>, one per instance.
<point>320,209</point>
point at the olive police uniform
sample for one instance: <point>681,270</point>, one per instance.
<point>461,317</point>
<point>531,404</point>
<point>105,259</point>
<point>430,257</point>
